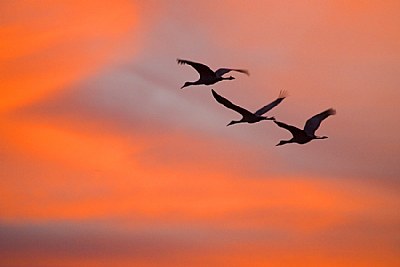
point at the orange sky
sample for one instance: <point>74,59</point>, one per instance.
<point>106,162</point>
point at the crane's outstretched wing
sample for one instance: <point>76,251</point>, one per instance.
<point>314,122</point>
<point>223,71</point>
<point>222,100</point>
<point>292,129</point>
<point>202,69</point>
<point>282,95</point>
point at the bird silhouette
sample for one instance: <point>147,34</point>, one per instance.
<point>207,76</point>
<point>308,134</point>
<point>247,116</point>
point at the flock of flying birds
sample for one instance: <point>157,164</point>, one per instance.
<point>300,136</point>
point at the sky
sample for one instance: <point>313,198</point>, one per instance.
<point>104,161</point>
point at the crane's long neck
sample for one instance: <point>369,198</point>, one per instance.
<point>283,142</point>
<point>189,84</point>
<point>268,118</point>
<point>233,122</point>
<point>225,78</point>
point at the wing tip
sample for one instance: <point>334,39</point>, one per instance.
<point>180,61</point>
<point>241,71</point>
<point>283,93</point>
<point>215,94</point>
<point>331,111</point>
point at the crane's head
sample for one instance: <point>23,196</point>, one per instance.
<point>283,142</point>
<point>232,122</point>
<point>186,84</point>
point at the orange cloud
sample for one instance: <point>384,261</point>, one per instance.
<point>212,198</point>
<point>140,178</point>
<point>48,45</point>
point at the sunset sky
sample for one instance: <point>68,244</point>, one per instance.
<point>104,161</point>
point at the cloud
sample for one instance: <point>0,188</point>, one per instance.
<point>93,130</point>
<point>47,46</point>
<point>92,242</point>
<point>152,244</point>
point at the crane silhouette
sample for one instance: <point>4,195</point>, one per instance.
<point>207,76</point>
<point>248,116</point>
<point>308,134</point>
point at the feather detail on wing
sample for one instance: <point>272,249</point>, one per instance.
<point>222,100</point>
<point>202,69</point>
<point>223,71</point>
<point>292,129</point>
<point>314,122</point>
<point>282,95</point>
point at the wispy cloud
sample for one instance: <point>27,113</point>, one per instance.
<point>105,161</point>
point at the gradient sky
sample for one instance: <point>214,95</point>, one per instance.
<point>104,161</point>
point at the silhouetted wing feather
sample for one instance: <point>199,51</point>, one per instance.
<point>202,69</point>
<point>222,100</point>
<point>313,123</point>
<point>261,111</point>
<point>294,130</point>
<point>223,71</point>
